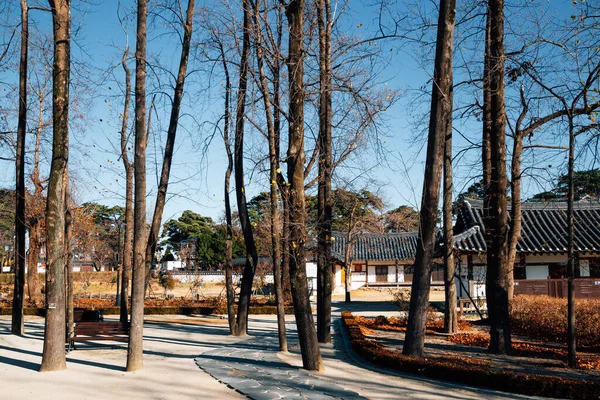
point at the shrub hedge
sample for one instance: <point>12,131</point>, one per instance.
<point>254,310</point>
<point>7,279</point>
<point>474,375</point>
<point>545,318</point>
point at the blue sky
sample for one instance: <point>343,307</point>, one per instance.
<point>200,176</point>
<point>198,170</point>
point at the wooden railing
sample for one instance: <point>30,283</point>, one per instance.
<point>585,288</point>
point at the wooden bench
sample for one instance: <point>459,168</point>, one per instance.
<point>84,314</point>
<point>100,330</point>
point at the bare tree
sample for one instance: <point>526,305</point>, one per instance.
<point>135,348</point>
<point>440,123</point>
<point>53,357</point>
<point>126,259</point>
<point>570,108</point>
<point>324,264</point>
<point>450,315</point>
<point>188,26</point>
<point>17,326</point>
<point>356,212</point>
<point>273,139</point>
<point>571,320</point>
<point>70,316</point>
<point>36,205</point>
<point>230,290</point>
<point>497,278</point>
<point>309,346</point>
<point>252,255</point>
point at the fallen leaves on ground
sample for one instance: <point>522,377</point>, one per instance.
<point>434,325</point>
<point>475,339</point>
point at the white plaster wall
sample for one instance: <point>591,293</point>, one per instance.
<point>171,265</point>
<point>400,273</point>
<point>584,268</point>
<point>371,273</point>
<point>391,273</point>
<point>536,272</point>
<point>215,277</point>
<point>359,277</point>
<point>337,276</point>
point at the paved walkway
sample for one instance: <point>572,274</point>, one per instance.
<point>230,368</point>
<point>96,371</point>
<point>257,370</point>
<point>253,368</point>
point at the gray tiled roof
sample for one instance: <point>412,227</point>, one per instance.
<point>544,227</point>
<point>377,247</point>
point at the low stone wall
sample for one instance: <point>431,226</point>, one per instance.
<point>215,277</point>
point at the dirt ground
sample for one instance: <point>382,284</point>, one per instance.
<point>104,286</point>
<point>180,290</point>
<point>385,294</point>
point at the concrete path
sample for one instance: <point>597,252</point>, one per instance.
<point>256,369</point>
<point>97,371</point>
<point>253,368</point>
<point>196,358</point>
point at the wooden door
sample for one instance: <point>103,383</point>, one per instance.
<point>381,273</point>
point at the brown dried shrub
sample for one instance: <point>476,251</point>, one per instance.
<point>468,371</point>
<point>545,318</point>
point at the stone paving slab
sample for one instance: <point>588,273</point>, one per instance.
<point>253,369</point>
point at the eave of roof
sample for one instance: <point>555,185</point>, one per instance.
<point>544,227</point>
<point>376,247</point>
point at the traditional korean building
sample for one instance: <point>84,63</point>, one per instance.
<point>541,250</point>
<point>377,260</point>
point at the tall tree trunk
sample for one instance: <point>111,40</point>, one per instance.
<point>283,271</point>
<point>252,257</point>
<point>450,316</point>
<point>126,259</point>
<point>35,228</point>
<point>515,212</point>
<point>273,167</point>
<point>282,185</point>
<point>70,317</point>
<point>485,142</point>
<point>136,333</point>
<point>285,244</point>
<point>229,240</point>
<point>307,335</point>
<point>53,357</point>
<point>171,134</point>
<point>515,186</point>
<point>17,326</point>
<point>33,286</point>
<point>497,254</point>
<point>571,322</point>
<point>439,124</point>
<point>348,267</point>
<point>324,265</point>
<point>276,250</point>
<point>487,113</point>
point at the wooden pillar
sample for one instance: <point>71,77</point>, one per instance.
<point>396,262</point>
<point>367,273</point>
<point>470,267</point>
